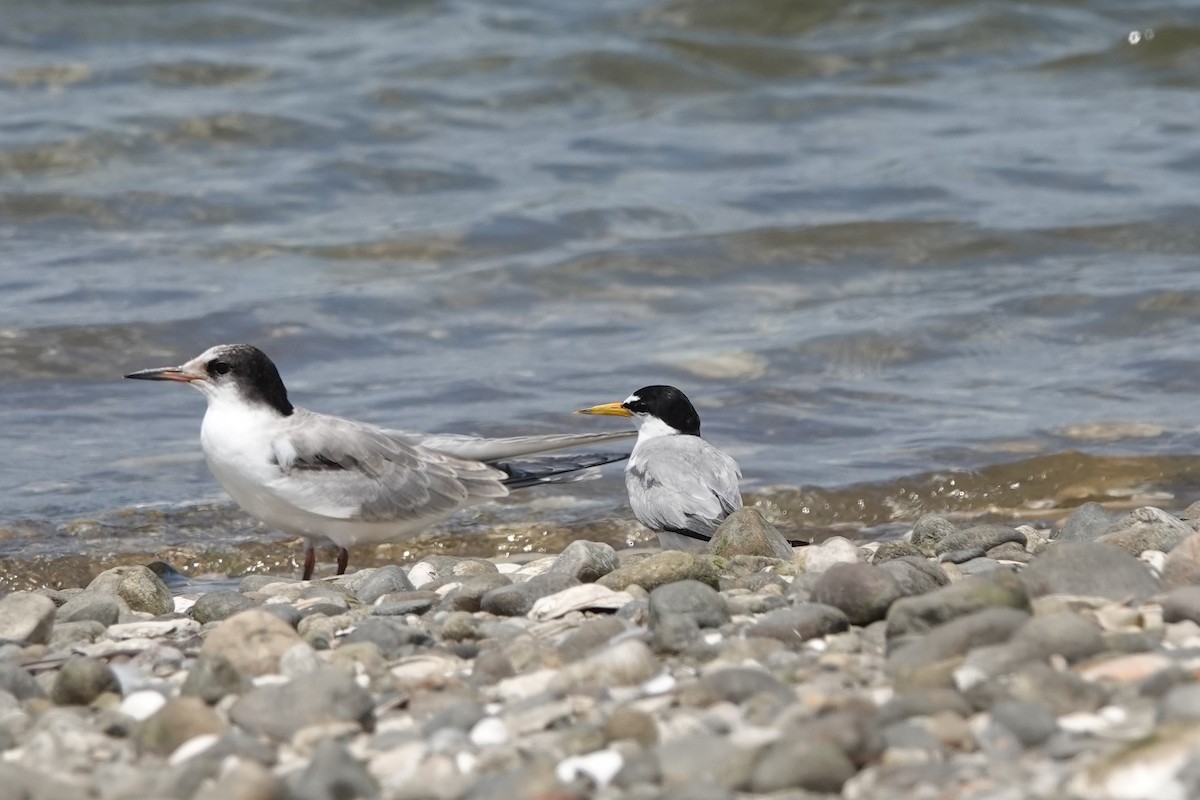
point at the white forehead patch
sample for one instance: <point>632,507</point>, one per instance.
<point>633,398</point>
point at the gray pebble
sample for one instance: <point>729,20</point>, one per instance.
<point>182,718</point>
<point>326,695</point>
<point>469,595</point>
<point>689,598</point>
<point>929,530</point>
<point>19,683</point>
<point>1085,568</point>
<point>1182,603</point>
<point>26,617</point>
<point>400,604</point>
<point>800,623</point>
<point>516,600</point>
<point>896,548</point>
<point>956,638</point>
<point>138,586</point>
<point>1086,523</point>
<point>586,561</point>
<point>385,580</point>
<point>212,677</point>
<point>216,606</point>
<point>915,615</point>
<point>1146,528</point>
<point>333,774</point>
<point>812,766</point>
<point>746,532</point>
<point>93,606</point>
<point>81,680</point>
<point>863,592</point>
<point>391,636</point>
<point>915,574</point>
<point>1031,723</point>
<point>980,537</point>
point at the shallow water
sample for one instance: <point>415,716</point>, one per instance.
<point>901,255</point>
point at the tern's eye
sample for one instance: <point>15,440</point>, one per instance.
<point>219,367</point>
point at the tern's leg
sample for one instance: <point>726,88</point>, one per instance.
<point>343,560</point>
<point>310,561</point>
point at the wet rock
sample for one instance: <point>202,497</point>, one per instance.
<point>326,695</point>
<point>699,601</point>
<point>212,677</point>
<point>586,561</point>
<point>26,618</point>
<point>835,550</point>
<point>915,575</point>
<point>812,766</point>
<point>252,641</point>
<point>138,586</point>
<point>216,606</point>
<point>916,615</point>
<point>745,532</point>
<point>1086,524</point>
<point>1182,566</point>
<point>929,530</point>
<point>81,680</point>
<point>980,538</point>
<point>662,568</point>
<point>90,606</point>
<point>800,623</point>
<point>863,592</point>
<point>1094,569</point>
<point>180,719</point>
<point>1146,528</point>
<point>517,600</point>
<point>956,638</point>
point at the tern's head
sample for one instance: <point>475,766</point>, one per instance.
<point>659,405</point>
<point>238,372</point>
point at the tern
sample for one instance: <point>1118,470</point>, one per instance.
<point>319,476</point>
<point>680,486</point>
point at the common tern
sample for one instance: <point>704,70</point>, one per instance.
<point>680,486</point>
<point>320,476</point>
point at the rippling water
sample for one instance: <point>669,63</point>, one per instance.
<point>905,256</point>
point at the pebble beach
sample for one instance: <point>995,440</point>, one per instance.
<point>978,662</point>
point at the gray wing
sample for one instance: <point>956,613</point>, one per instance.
<point>343,469</point>
<point>509,447</point>
<point>682,483</point>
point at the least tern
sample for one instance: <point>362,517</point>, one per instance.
<point>320,476</point>
<point>680,486</point>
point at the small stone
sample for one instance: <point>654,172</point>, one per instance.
<point>333,774</point>
<point>746,532</point>
<point>662,568</point>
<point>834,550</point>
<point>929,530</point>
<point>586,561</point>
<point>138,586</point>
<point>955,638</point>
<point>737,685</point>
<point>632,724</point>
<point>387,579</point>
<point>180,719</point>
<point>625,663</point>
<point>253,641</point>
<point>1031,723</point>
<point>1181,704</point>
<point>915,574</point>
<point>1146,528</point>
<point>26,618</point>
<point>693,599</point>
<point>401,604</point>
<point>896,548</point>
<point>923,703</point>
<point>393,638</point>
<point>327,695</point>
<point>517,600</point>
<point>915,615</point>
<point>863,592</point>
<point>81,680</point>
<point>489,732</point>
<point>696,760</point>
<point>800,623</point>
<point>1071,635</point>
<point>812,766</point>
<point>1182,604</point>
<point>1086,568</point>
<point>243,779</point>
<point>469,595</point>
<point>90,606</point>
<point>212,677</point>
<point>1059,691</point>
<point>216,606</point>
<point>1086,524</point>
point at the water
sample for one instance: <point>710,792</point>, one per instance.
<point>902,255</point>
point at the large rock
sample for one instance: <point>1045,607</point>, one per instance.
<point>90,606</point>
<point>586,561</point>
<point>1182,567</point>
<point>1086,524</point>
<point>252,641</point>
<point>745,532</point>
<point>929,530</point>
<point>1087,568</point>
<point>977,540</point>
<point>1146,528</point>
<point>800,623</point>
<point>956,638</point>
<point>692,599</point>
<point>26,618</point>
<point>662,568</point>
<point>138,586</point>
